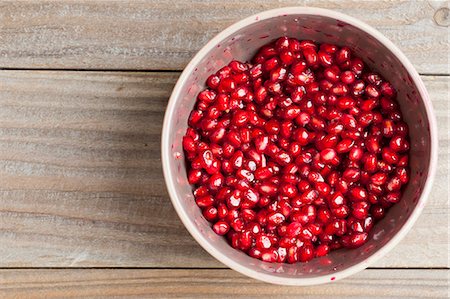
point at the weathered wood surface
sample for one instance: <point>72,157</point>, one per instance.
<point>81,181</point>
<point>105,283</point>
<point>164,35</point>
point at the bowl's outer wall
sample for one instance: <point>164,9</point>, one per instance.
<point>242,45</point>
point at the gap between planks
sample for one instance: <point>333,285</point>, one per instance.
<point>192,268</point>
<point>140,71</point>
<point>214,284</point>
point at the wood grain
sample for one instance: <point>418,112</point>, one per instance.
<point>164,35</point>
<point>101,283</point>
<point>81,181</point>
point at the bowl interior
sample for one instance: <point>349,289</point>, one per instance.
<point>241,45</point>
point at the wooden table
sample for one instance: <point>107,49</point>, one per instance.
<point>83,206</point>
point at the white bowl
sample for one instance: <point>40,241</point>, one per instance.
<point>240,41</point>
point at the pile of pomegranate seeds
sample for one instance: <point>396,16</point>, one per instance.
<point>297,153</point>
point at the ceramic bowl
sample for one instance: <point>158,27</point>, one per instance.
<point>240,41</point>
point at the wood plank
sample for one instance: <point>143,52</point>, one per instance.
<point>107,283</point>
<point>164,35</point>
<point>81,179</point>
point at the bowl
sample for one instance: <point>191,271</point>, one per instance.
<point>240,41</point>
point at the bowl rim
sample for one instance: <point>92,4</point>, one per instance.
<point>166,147</point>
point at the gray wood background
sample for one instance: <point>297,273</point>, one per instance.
<point>83,206</point>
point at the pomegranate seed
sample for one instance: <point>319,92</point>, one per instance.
<point>336,200</point>
<point>403,174</point>
<point>358,193</point>
<point>360,210</point>
<point>371,163</point>
<point>355,154</point>
<point>269,255</point>
<point>351,174</point>
<point>347,77</point>
<point>221,227</point>
<point>394,184</point>
<point>268,189</point>
<point>306,253</point>
<point>322,250</point>
<point>343,55</point>
<point>329,155</point>
<point>399,144</point>
<point>356,240</point>
<point>389,156</point>
<point>311,56</point>
<point>393,197</point>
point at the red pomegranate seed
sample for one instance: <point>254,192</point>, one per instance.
<point>393,197</point>
<point>358,193</point>
<point>341,212</point>
<point>322,250</point>
<point>343,55</point>
<point>269,255</point>
<point>399,144</point>
<point>311,56</point>
<point>355,240</point>
<point>360,210</point>
<point>389,156</point>
<point>306,253</point>
<point>394,184</point>
<point>347,77</point>
<point>371,163</point>
<point>336,200</point>
<point>351,174</point>
<point>221,227</point>
<point>210,213</point>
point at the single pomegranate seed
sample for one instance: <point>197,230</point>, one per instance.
<point>306,253</point>
<point>268,189</point>
<point>358,193</point>
<point>390,156</point>
<point>237,224</point>
<point>331,73</point>
<point>360,210</point>
<point>403,174</point>
<point>372,91</point>
<point>269,255</point>
<point>341,212</point>
<point>263,241</point>
<point>399,144</point>
<point>337,200</point>
<point>351,174</point>
<point>287,57</point>
<point>393,197</point>
<point>311,56</point>
<point>373,145</point>
<point>210,213</point>
<point>322,250</point>
<point>377,211</point>
<point>194,176</point>
<point>221,227</point>
<point>292,254</point>
<point>275,218</point>
<point>371,163</point>
<point>357,66</point>
<point>347,77</point>
<point>356,240</point>
<point>394,184</point>
<point>216,181</point>
<point>343,55</point>
<point>379,178</point>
